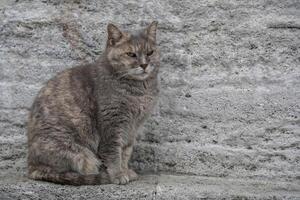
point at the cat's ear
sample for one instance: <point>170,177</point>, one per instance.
<point>151,31</point>
<point>114,34</point>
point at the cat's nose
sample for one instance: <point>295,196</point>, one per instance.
<point>144,66</point>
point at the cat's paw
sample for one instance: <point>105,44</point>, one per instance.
<point>121,179</point>
<point>132,175</point>
<point>86,162</point>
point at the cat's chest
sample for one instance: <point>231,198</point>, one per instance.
<point>127,103</point>
<point>141,106</point>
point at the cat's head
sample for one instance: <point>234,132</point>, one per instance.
<point>133,55</point>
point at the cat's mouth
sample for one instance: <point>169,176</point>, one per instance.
<point>142,76</point>
<point>138,73</point>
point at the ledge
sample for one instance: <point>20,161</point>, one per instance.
<point>162,186</point>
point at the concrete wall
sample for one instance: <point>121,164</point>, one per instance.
<point>230,80</point>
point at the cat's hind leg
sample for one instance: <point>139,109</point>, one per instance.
<point>63,155</point>
<point>46,173</point>
<point>53,160</point>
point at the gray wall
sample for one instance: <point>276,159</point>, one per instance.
<point>230,80</point>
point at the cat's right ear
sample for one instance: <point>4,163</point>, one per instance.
<point>114,34</point>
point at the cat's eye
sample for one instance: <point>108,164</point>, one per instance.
<point>130,54</point>
<point>150,53</point>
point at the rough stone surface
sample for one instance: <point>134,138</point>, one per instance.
<point>154,187</point>
<point>228,121</point>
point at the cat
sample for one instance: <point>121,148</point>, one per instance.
<point>83,123</point>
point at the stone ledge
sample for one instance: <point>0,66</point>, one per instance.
<point>154,187</point>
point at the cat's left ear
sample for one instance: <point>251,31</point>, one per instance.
<point>151,31</point>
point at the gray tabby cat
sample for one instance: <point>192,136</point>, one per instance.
<point>83,123</point>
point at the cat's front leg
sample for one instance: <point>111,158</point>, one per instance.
<point>126,154</point>
<point>115,171</point>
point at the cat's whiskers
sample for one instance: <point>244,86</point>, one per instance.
<point>122,75</point>
<point>133,71</point>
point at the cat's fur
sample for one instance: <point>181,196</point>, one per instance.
<point>83,123</point>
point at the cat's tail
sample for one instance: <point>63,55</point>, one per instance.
<point>45,173</point>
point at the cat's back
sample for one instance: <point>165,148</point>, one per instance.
<point>67,98</point>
